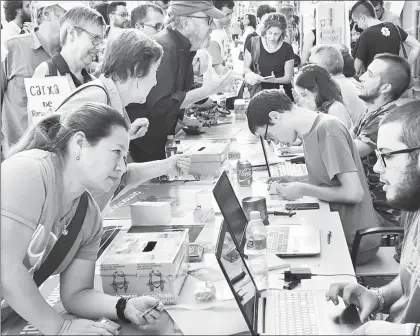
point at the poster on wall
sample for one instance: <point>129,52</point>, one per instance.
<point>45,95</point>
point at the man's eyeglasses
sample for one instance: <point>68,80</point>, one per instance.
<point>382,156</point>
<point>96,39</point>
<point>158,26</point>
<point>209,19</point>
<point>123,15</point>
<point>266,130</point>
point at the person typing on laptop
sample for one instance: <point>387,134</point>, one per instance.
<point>399,168</point>
<point>335,171</point>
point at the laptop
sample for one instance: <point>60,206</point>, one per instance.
<point>282,240</point>
<point>280,312</point>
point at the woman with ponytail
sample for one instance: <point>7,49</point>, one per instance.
<point>44,182</point>
<point>318,91</point>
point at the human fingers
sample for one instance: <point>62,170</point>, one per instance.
<point>334,292</point>
<point>102,328</point>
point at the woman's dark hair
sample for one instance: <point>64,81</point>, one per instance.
<point>274,20</point>
<point>317,80</point>
<point>53,133</point>
<point>103,10</point>
<point>252,20</point>
<point>10,9</point>
<point>130,53</point>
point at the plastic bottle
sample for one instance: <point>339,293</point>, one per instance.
<point>170,146</point>
<point>256,249</point>
<point>246,95</point>
<point>233,157</point>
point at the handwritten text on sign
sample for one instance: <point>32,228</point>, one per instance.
<point>330,35</point>
<point>45,95</point>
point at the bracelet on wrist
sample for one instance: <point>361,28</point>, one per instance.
<point>64,327</point>
<point>381,300</point>
<point>120,307</point>
<point>416,330</point>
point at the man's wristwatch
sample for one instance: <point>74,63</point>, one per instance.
<point>120,307</point>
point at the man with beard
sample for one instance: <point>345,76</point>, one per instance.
<point>399,168</point>
<point>386,79</point>
<point>189,26</point>
<point>118,15</point>
<point>17,14</point>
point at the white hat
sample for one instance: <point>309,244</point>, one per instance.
<point>67,5</point>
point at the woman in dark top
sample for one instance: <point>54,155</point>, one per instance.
<point>309,41</point>
<point>276,56</point>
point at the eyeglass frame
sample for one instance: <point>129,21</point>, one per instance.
<point>208,18</point>
<point>266,130</point>
<point>153,26</point>
<point>123,15</point>
<point>381,156</point>
<point>93,36</point>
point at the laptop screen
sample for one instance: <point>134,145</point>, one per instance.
<point>238,277</point>
<point>265,156</point>
<point>230,208</point>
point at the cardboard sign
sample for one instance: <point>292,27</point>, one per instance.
<point>45,95</point>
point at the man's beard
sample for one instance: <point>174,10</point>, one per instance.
<point>199,43</point>
<point>407,196</point>
<point>369,98</point>
<point>26,18</point>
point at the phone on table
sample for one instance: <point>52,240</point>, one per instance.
<point>302,206</point>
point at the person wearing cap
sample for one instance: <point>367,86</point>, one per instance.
<point>189,25</point>
<point>25,53</point>
<point>81,33</point>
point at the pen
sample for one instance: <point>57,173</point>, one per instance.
<point>149,310</point>
<point>329,235</point>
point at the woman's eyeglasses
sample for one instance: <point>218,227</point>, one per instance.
<point>96,39</point>
<point>382,156</point>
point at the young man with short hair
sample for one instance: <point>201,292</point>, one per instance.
<point>399,168</point>
<point>385,80</point>
<point>335,171</point>
<point>384,14</point>
<point>378,37</point>
<point>118,15</point>
<point>148,18</point>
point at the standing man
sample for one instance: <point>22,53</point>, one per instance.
<point>25,53</point>
<point>399,168</point>
<point>219,37</point>
<point>189,26</point>
<point>17,14</point>
<point>386,79</point>
<point>384,14</point>
<point>378,37</point>
<point>149,18</point>
<point>118,15</point>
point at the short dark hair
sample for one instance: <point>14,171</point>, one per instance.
<point>318,80</point>
<point>363,7</point>
<point>398,74</point>
<point>262,104</point>
<point>264,9</point>
<point>252,20</point>
<point>377,2</point>
<point>103,10</point>
<point>139,13</point>
<point>10,9</point>
<point>219,4</point>
<point>409,117</point>
<point>130,53</point>
<point>348,67</point>
<point>112,7</point>
<point>52,134</point>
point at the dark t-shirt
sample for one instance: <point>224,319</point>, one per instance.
<point>273,62</point>
<point>378,39</point>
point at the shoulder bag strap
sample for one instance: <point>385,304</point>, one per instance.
<point>64,243</point>
<point>401,40</point>
<point>108,100</point>
<point>52,69</point>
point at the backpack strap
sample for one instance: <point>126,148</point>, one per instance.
<point>63,244</point>
<point>81,88</point>
<point>52,69</point>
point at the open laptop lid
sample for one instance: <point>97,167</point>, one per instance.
<point>265,156</point>
<point>231,209</point>
<point>238,277</point>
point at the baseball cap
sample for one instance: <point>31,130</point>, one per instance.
<point>67,5</point>
<point>185,8</point>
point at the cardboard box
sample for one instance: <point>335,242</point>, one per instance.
<point>207,158</point>
<point>152,263</point>
<point>150,213</point>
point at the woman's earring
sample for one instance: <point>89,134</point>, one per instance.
<point>78,157</point>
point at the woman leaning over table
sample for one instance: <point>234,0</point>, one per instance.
<point>317,91</point>
<point>276,56</point>
<point>43,180</point>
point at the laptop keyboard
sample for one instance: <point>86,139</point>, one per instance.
<point>291,169</point>
<point>295,313</point>
<point>277,239</point>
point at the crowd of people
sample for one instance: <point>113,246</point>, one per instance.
<point>133,74</point>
